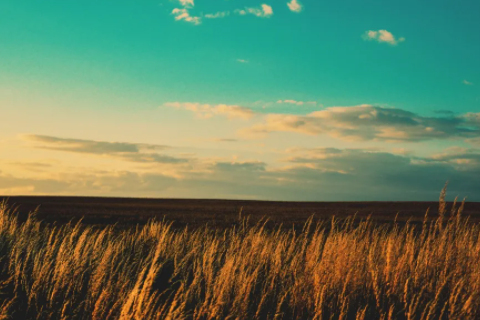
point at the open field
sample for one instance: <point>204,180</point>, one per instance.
<point>328,269</point>
<point>217,213</point>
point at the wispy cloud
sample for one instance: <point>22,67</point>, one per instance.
<point>367,122</point>
<point>264,11</point>
<point>242,60</point>
<point>186,3</point>
<point>132,152</point>
<point>468,83</point>
<point>206,111</point>
<point>91,146</point>
<point>298,174</point>
<point>382,36</point>
<point>220,14</point>
<point>298,103</point>
<point>295,6</point>
<point>183,14</point>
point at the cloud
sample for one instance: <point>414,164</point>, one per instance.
<point>220,14</point>
<point>242,61</point>
<point>206,111</point>
<point>131,152</point>
<point>382,36</point>
<point>372,175</point>
<point>115,183</point>
<point>298,103</point>
<point>468,83</point>
<point>151,158</point>
<point>316,174</point>
<point>295,6</point>
<point>458,157</point>
<point>330,174</point>
<point>183,14</point>
<point>32,166</point>
<point>128,183</point>
<point>241,166</point>
<point>11,185</point>
<point>91,146</point>
<point>264,11</point>
<point>186,3</point>
<point>367,122</point>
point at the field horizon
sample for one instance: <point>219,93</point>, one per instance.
<point>217,212</point>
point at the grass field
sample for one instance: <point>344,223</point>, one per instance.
<point>330,268</point>
<point>217,213</point>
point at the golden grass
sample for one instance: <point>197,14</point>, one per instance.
<point>333,270</point>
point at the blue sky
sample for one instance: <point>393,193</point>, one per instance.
<point>267,100</point>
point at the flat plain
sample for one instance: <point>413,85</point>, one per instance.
<point>217,213</point>
<point>229,259</point>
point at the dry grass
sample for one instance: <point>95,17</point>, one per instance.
<point>334,270</point>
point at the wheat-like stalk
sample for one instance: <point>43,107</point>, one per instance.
<point>342,269</point>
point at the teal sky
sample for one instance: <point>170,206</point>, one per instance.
<point>293,100</point>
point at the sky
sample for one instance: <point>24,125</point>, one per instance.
<point>312,100</point>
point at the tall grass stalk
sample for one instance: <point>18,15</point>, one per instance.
<point>341,269</point>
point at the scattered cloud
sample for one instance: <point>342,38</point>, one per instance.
<point>297,173</point>
<point>264,11</point>
<point>298,103</point>
<point>308,174</point>
<point>11,185</point>
<point>295,6</point>
<point>367,174</point>
<point>460,158</point>
<point>242,61</point>
<point>183,14</point>
<point>241,166</point>
<point>186,3</point>
<point>32,166</point>
<point>206,111</point>
<point>367,122</point>
<point>382,36</point>
<point>468,83</point>
<point>131,152</point>
<point>151,158</point>
<point>114,183</point>
<point>220,14</point>
<point>90,146</point>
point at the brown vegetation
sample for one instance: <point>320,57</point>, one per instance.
<point>219,214</point>
<point>345,269</point>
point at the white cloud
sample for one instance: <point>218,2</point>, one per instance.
<point>186,3</point>
<point>298,103</point>
<point>183,14</point>
<point>468,83</point>
<point>242,61</point>
<point>382,36</point>
<point>367,122</point>
<point>220,14</point>
<point>265,11</point>
<point>206,111</point>
<point>294,174</point>
<point>295,6</point>
<point>130,152</point>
